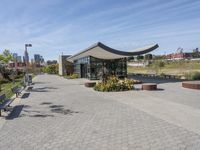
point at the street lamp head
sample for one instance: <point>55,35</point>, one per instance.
<point>28,45</point>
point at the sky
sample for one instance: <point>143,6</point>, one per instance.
<point>54,27</point>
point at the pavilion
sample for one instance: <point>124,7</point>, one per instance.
<point>90,62</point>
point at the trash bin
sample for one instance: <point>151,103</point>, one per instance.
<point>29,78</point>
<point>26,78</point>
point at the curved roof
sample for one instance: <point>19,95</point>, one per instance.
<point>102,51</point>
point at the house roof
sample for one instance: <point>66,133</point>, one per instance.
<point>102,51</point>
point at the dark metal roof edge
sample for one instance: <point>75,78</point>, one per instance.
<point>118,52</point>
<point>85,50</point>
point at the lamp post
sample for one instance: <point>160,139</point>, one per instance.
<point>26,56</point>
<point>26,59</point>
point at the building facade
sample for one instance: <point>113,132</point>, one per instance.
<point>178,56</point>
<point>65,67</point>
<point>38,60</point>
<point>100,59</point>
<point>18,66</point>
<point>51,62</point>
<point>92,68</point>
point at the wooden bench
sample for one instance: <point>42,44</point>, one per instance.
<point>149,86</point>
<point>17,90</point>
<point>90,84</point>
<point>4,103</point>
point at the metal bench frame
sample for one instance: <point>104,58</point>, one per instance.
<point>4,103</point>
<point>17,90</point>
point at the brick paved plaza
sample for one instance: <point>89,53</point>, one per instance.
<point>62,114</point>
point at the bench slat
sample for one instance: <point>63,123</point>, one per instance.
<point>17,90</point>
<point>2,97</point>
<point>4,103</point>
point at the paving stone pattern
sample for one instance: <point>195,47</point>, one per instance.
<point>63,114</point>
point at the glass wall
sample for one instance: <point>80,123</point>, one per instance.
<point>81,67</point>
<point>116,67</point>
<point>92,68</point>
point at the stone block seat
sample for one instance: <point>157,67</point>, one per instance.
<point>191,84</point>
<point>149,86</point>
<point>90,84</point>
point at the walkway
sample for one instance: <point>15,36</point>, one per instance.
<point>63,114</point>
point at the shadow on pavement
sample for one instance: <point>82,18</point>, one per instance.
<point>42,89</point>
<point>56,106</point>
<point>60,109</point>
<point>153,80</point>
<point>46,103</point>
<point>15,112</point>
<point>25,95</point>
<point>41,82</point>
<point>29,88</point>
<point>49,87</point>
<point>160,89</point>
<point>39,90</point>
<point>63,111</point>
<point>41,115</point>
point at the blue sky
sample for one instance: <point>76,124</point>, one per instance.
<point>68,26</point>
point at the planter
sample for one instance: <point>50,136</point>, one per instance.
<point>90,84</point>
<point>149,86</point>
<point>191,85</point>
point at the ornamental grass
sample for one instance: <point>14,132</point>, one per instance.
<point>114,84</point>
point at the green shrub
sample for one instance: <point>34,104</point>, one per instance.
<point>114,84</point>
<point>72,76</point>
<point>51,69</point>
<point>158,65</point>
<point>6,87</point>
<point>162,75</point>
<point>193,75</point>
<point>3,80</point>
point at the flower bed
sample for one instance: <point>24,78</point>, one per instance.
<point>113,84</point>
<point>72,76</point>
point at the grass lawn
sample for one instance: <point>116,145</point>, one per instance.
<point>172,68</point>
<point>6,87</point>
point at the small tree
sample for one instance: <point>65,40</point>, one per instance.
<point>158,64</point>
<point>7,56</point>
<point>51,69</point>
<point>4,59</point>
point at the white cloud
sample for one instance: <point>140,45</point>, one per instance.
<point>56,26</point>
